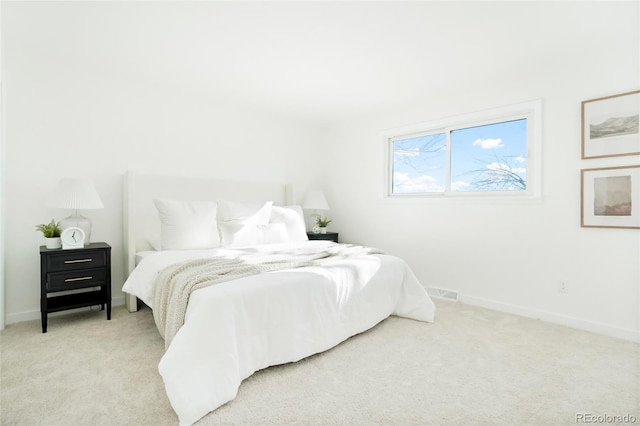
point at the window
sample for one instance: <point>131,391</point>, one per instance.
<point>494,152</point>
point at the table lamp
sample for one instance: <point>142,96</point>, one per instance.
<point>75,194</point>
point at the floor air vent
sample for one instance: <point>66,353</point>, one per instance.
<point>442,293</point>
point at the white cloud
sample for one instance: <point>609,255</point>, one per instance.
<point>489,143</point>
<point>460,186</point>
<point>498,166</point>
<point>402,183</point>
<point>502,166</point>
<point>413,152</point>
<point>521,159</point>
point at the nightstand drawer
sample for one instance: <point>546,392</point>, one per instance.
<point>76,260</point>
<point>70,280</point>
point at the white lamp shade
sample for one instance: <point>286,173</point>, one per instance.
<point>315,201</point>
<point>74,194</point>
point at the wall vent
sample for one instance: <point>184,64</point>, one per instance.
<point>441,293</point>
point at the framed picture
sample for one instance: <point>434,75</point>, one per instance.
<point>610,197</point>
<point>610,126</point>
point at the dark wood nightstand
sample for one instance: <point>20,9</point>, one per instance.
<point>75,269</point>
<point>330,236</point>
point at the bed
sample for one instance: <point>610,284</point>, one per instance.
<point>235,285</point>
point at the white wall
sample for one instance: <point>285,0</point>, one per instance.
<point>512,256</point>
<point>2,316</point>
<point>64,119</point>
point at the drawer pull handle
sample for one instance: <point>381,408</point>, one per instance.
<point>78,261</point>
<point>68,280</point>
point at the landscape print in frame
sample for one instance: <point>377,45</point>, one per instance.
<point>610,197</point>
<point>610,126</point>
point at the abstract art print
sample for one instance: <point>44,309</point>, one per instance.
<point>610,197</point>
<point>610,126</point>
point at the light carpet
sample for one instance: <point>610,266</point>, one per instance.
<point>471,367</point>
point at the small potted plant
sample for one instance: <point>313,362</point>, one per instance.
<point>322,223</point>
<point>51,232</point>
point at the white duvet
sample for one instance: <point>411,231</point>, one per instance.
<point>236,328</point>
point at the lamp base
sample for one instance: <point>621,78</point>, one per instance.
<point>76,219</point>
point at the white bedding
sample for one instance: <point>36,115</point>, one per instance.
<point>236,328</point>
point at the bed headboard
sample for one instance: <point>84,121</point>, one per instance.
<point>141,218</point>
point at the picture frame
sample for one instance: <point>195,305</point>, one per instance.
<point>610,126</point>
<point>610,197</point>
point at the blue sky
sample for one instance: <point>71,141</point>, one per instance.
<point>419,162</point>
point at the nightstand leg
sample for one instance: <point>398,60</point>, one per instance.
<point>108,310</point>
<point>44,322</point>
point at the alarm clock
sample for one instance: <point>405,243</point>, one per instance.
<point>72,238</point>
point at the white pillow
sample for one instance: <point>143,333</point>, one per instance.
<point>155,241</point>
<point>238,222</point>
<point>186,225</point>
<point>272,233</point>
<point>293,220</point>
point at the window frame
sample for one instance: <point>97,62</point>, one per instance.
<point>531,110</point>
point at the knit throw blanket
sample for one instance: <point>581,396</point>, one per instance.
<point>175,283</point>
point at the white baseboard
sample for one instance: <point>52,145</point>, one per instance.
<point>35,314</point>
<point>581,324</point>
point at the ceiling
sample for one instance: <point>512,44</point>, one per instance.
<point>315,61</point>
